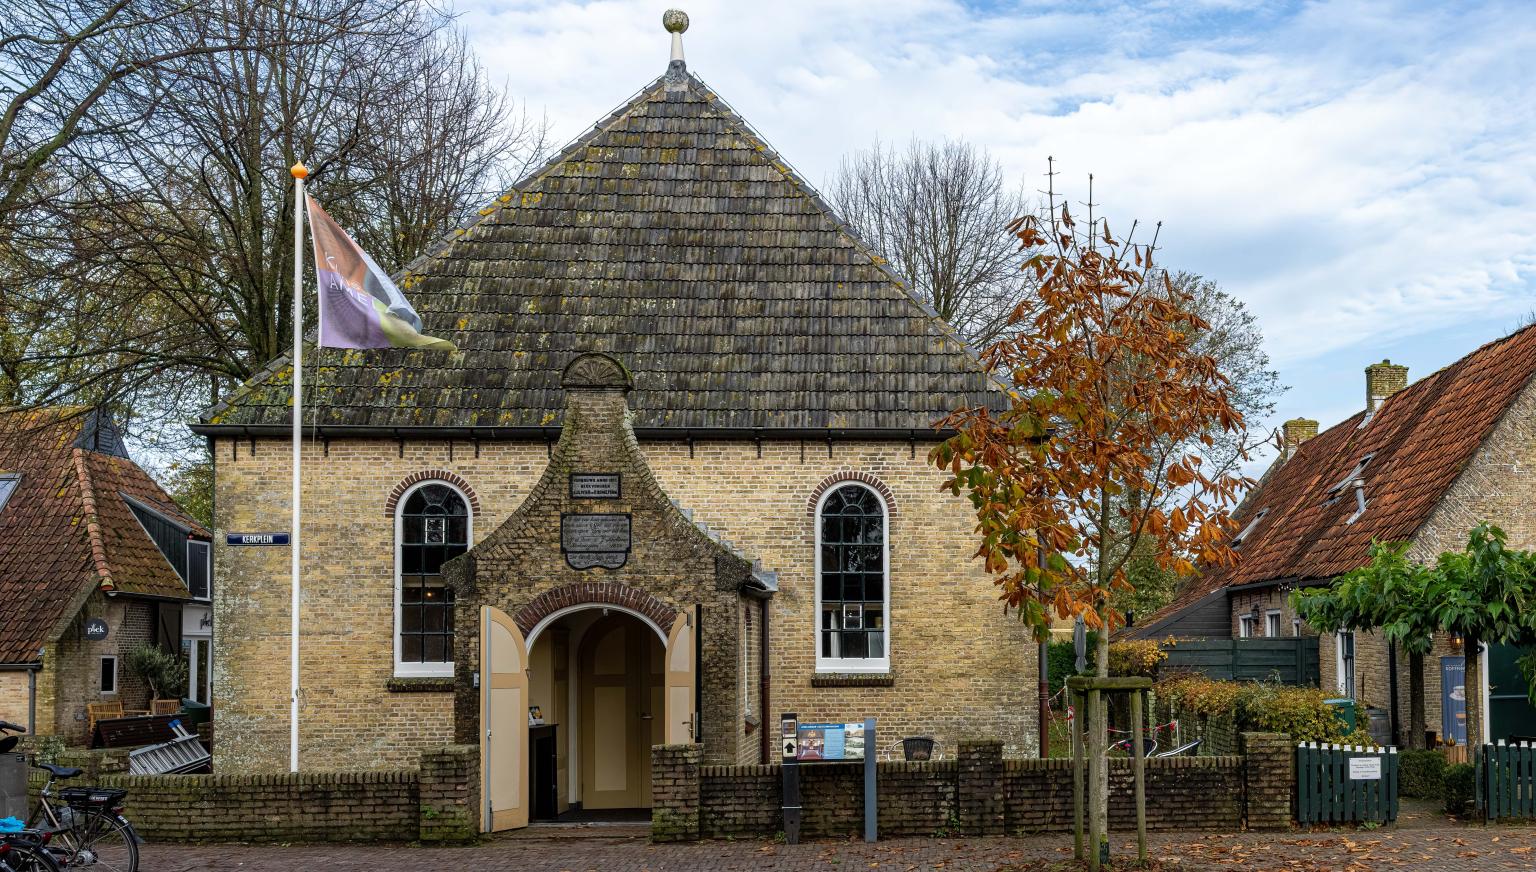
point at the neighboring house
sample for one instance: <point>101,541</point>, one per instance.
<point>1422,463</point>
<point>94,559</point>
<point>674,361</point>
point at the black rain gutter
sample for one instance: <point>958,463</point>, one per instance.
<point>544,434</point>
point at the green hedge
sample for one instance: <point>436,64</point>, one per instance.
<point>1460,783</point>
<point>1258,707</point>
<point>1421,774</point>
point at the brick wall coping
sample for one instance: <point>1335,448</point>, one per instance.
<point>303,779</point>
<point>758,770</point>
<point>1216,762</point>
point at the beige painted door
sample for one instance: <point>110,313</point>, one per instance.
<point>680,703</point>
<point>619,669</point>
<point>504,717</point>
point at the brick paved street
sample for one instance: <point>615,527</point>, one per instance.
<point>1423,844</point>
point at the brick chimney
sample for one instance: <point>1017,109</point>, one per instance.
<point>1293,433</point>
<point>1382,380</point>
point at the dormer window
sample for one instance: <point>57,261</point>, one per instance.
<point>1346,481</point>
<point>8,483</point>
<point>1242,537</point>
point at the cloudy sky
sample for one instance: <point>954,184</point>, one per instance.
<point>1361,174</point>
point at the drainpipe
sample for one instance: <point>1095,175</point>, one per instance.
<point>32,699</point>
<point>1392,692</point>
<point>762,693</point>
<point>1044,704</point>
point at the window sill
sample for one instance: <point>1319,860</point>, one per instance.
<point>853,679</point>
<point>419,685</point>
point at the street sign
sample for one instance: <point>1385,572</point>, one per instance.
<point>256,539</point>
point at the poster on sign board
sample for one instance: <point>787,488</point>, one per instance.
<point>830,742</point>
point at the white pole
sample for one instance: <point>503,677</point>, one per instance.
<point>299,174</point>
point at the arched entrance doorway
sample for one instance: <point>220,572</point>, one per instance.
<point>601,683</point>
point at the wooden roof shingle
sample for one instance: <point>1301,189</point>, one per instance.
<point>673,238</point>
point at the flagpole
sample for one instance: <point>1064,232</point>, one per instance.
<point>300,172</point>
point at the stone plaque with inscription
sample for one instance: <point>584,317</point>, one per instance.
<point>595,540</point>
<point>595,486</point>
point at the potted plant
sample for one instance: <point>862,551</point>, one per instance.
<point>164,672</point>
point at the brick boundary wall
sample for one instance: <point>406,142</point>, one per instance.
<point>436,802</point>
<point>1270,789</point>
<point>978,793</point>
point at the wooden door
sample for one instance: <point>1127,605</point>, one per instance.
<point>504,717</point>
<point>619,666</point>
<point>681,706</point>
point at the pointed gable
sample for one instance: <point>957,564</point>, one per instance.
<point>1413,448</point>
<point>673,238</point>
<point>68,528</point>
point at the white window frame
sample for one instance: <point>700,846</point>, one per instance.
<point>1272,624</point>
<point>100,670</point>
<point>854,664</point>
<point>423,670</point>
<point>1245,624</point>
<point>1349,686</point>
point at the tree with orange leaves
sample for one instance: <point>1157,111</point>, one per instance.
<point>1071,477</point>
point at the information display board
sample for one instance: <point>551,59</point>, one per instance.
<point>814,743</point>
<point>829,742</point>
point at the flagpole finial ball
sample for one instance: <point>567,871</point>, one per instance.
<point>674,20</point>
<point>299,171</point>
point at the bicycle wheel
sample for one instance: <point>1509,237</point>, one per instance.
<point>20,859</point>
<point>97,840</point>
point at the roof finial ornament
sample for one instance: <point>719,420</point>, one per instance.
<point>676,22</point>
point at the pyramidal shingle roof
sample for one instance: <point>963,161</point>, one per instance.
<point>672,237</point>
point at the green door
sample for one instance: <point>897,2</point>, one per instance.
<point>1509,710</point>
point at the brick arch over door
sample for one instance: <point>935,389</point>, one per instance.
<point>594,593</point>
<point>416,478</point>
<point>864,478</point>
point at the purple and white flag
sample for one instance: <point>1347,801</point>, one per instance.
<point>359,306</point>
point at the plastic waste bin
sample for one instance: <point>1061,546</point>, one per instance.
<point>13,785</point>
<point>194,713</point>
<point>1344,709</point>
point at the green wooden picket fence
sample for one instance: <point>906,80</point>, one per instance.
<point>1345,783</point>
<point>1506,781</point>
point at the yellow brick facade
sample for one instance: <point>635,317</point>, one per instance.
<point>959,666</point>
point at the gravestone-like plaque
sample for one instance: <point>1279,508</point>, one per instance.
<point>595,486</point>
<point>595,540</point>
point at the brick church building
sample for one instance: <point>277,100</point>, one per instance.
<point>673,483</point>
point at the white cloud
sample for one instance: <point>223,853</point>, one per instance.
<point>1356,172</point>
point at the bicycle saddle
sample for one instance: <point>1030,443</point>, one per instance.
<point>60,771</point>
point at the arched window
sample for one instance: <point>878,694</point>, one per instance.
<point>433,528</point>
<point>853,595</point>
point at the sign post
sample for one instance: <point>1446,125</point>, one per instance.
<point>789,740</point>
<point>871,811</point>
<point>832,743</point>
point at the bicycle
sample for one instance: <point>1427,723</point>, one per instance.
<point>85,825</point>
<point>26,851</point>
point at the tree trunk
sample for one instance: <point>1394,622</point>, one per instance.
<point>1473,685</point>
<point>1098,758</point>
<point>1415,700</point>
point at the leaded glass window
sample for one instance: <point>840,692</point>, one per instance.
<point>434,528</point>
<point>852,588</point>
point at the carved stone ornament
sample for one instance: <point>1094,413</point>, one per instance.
<point>594,370</point>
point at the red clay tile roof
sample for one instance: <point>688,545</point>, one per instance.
<point>1419,441</point>
<point>67,530</point>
